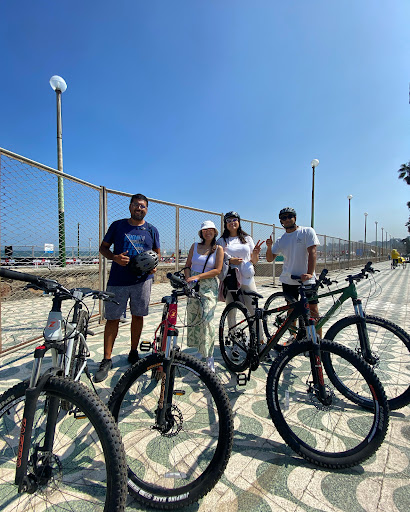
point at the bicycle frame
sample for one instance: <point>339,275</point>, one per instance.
<point>349,292</point>
<point>297,309</point>
<point>54,333</point>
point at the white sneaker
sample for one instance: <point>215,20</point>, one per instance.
<point>211,364</point>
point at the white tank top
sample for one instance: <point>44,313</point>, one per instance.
<point>198,261</point>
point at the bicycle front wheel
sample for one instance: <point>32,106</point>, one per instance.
<point>235,336</point>
<point>86,469</point>
<point>176,466</point>
<point>340,433</point>
<point>390,353</point>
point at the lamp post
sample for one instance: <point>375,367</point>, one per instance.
<point>365,231</point>
<point>314,163</point>
<point>59,86</point>
<point>376,237</point>
<point>382,241</point>
<point>89,246</point>
<point>349,197</point>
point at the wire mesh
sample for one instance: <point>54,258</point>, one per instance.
<point>32,240</point>
<point>31,243</point>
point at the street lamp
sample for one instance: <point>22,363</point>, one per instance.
<point>59,86</point>
<point>376,237</point>
<point>89,245</point>
<point>365,230</point>
<point>350,198</point>
<point>382,242</point>
<point>314,163</point>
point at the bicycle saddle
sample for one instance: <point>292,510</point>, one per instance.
<point>253,294</point>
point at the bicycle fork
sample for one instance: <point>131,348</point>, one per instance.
<point>363,334</point>
<point>316,365</point>
<point>163,420</point>
<point>29,482</point>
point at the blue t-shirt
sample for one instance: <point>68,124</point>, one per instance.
<point>133,239</point>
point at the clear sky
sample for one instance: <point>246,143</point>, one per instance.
<point>219,104</point>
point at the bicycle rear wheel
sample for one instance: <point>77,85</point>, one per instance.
<point>235,336</point>
<point>340,434</point>
<point>174,468</point>
<point>87,469</point>
<point>272,321</point>
<point>390,349</point>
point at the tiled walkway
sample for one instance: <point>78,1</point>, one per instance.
<point>263,473</point>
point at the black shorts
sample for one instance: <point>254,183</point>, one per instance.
<point>293,291</point>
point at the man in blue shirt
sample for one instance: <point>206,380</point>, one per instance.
<point>130,237</point>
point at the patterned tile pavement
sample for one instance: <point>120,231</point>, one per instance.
<point>263,473</point>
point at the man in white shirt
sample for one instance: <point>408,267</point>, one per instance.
<point>298,246</point>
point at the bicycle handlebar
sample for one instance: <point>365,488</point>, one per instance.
<point>49,285</point>
<point>363,274</point>
<point>178,282</point>
<point>41,282</point>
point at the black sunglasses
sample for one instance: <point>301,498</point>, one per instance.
<point>284,217</point>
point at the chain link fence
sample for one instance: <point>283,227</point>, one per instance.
<point>32,240</point>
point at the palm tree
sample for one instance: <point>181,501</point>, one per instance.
<point>404,173</point>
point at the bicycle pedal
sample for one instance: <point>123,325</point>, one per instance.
<point>241,379</point>
<point>145,346</point>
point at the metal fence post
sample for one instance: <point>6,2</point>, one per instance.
<point>325,250</point>
<point>103,267</point>
<point>177,238</point>
<point>0,246</point>
<point>273,264</point>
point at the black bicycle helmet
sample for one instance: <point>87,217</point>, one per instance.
<point>143,262</point>
<point>231,214</point>
<point>288,209</point>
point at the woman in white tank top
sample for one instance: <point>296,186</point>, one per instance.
<point>204,263</point>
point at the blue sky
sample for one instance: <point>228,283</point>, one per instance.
<point>219,105</point>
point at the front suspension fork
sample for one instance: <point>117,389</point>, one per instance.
<point>362,332</point>
<point>316,364</point>
<point>167,379</point>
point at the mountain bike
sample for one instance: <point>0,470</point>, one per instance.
<point>382,344</point>
<point>59,445</point>
<point>174,416</point>
<point>327,427</point>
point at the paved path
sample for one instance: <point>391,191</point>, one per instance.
<point>263,473</point>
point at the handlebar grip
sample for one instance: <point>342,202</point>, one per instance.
<point>176,280</point>
<point>323,274</point>
<point>20,276</point>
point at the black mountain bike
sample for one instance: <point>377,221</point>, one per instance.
<point>174,416</point>
<point>60,448</point>
<point>381,343</point>
<point>310,407</point>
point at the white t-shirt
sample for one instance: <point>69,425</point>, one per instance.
<point>234,248</point>
<point>293,246</point>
